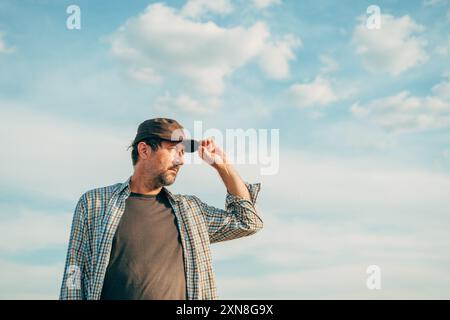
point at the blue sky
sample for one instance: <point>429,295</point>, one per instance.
<point>364,119</point>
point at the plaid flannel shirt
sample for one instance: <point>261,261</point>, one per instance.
<point>98,213</point>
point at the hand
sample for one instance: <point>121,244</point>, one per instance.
<point>210,152</point>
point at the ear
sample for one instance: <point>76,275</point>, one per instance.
<point>144,150</point>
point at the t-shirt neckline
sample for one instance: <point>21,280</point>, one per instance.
<point>140,195</point>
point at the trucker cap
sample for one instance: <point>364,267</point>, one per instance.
<point>164,129</point>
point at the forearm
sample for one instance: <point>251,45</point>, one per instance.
<point>216,157</point>
<point>233,182</point>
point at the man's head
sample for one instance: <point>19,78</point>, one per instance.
<point>158,160</point>
<point>158,150</point>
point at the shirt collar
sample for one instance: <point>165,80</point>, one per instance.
<point>125,187</point>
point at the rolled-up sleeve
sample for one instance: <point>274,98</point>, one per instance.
<point>239,219</point>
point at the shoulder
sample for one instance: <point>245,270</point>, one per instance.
<point>100,194</point>
<point>188,198</point>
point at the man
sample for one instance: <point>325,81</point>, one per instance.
<point>137,240</point>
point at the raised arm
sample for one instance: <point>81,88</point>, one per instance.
<point>240,217</point>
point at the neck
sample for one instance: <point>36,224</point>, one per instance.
<point>143,185</point>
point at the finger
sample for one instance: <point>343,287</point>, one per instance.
<point>207,156</point>
<point>210,147</point>
<point>202,151</point>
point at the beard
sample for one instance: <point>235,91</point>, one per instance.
<point>166,178</point>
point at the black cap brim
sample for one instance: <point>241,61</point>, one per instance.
<point>190,145</point>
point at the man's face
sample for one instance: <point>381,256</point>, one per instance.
<point>165,162</point>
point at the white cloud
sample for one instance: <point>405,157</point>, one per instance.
<point>315,243</point>
<point>58,157</point>
<point>357,136</point>
<point>364,187</point>
<point>321,92</point>
<point>200,55</point>
<point>301,259</point>
<point>316,114</point>
<point>444,48</point>
<point>26,230</point>
<point>433,2</point>
<point>197,8</point>
<point>145,75</point>
<point>346,281</point>
<point>329,64</point>
<point>348,213</point>
<point>316,93</point>
<point>262,4</point>
<point>186,104</point>
<point>4,48</point>
<point>404,112</point>
<point>276,55</point>
<point>442,90</point>
<point>30,281</point>
<point>446,154</point>
<point>394,48</point>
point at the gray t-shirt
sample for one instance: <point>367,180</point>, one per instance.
<point>146,260</point>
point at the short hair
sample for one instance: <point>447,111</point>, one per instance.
<point>154,143</point>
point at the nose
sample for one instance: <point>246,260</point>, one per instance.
<point>179,157</point>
